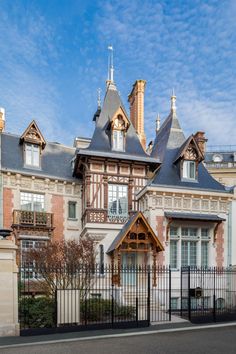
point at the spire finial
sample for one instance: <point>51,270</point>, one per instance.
<point>110,77</point>
<point>158,123</point>
<point>99,97</point>
<point>173,101</point>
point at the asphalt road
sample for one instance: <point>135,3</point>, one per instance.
<point>207,341</point>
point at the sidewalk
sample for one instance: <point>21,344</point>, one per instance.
<point>106,333</point>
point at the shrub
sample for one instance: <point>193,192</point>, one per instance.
<point>37,312</point>
<point>99,310</point>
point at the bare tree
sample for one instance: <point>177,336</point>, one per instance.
<point>63,265</point>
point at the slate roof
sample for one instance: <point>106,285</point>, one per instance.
<point>192,216</point>
<point>101,140</point>
<point>55,159</point>
<point>169,141</point>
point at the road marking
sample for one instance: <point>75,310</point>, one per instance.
<point>117,335</point>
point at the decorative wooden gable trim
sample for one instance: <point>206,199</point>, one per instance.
<point>137,237</point>
<point>120,121</point>
<point>33,135</point>
<point>190,151</point>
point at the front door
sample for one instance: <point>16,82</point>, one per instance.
<point>129,262</point>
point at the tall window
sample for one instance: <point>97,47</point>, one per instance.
<point>173,254</point>
<point>32,153</point>
<point>204,253</point>
<point>117,200</point>
<point>189,253</point>
<point>29,271</point>
<point>189,170</point>
<point>118,140</point>
<point>71,210</point>
<point>32,201</point>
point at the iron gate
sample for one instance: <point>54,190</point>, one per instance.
<point>208,294</point>
<point>67,299</point>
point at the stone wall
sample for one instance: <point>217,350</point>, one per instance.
<point>8,289</point>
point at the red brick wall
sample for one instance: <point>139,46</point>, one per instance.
<point>58,216</point>
<point>161,236</point>
<point>7,207</point>
<point>220,246</point>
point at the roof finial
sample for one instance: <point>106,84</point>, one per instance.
<point>110,65</point>
<point>158,123</point>
<point>99,97</point>
<point>173,101</point>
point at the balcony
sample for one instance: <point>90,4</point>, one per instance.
<point>35,219</point>
<point>102,216</point>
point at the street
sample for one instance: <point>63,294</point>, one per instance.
<point>214,340</point>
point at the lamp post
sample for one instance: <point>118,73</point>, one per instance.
<point>4,233</point>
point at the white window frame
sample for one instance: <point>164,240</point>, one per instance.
<point>28,270</point>
<point>74,203</point>
<point>187,171</point>
<point>32,155</point>
<point>115,194</point>
<point>118,143</point>
<point>32,199</point>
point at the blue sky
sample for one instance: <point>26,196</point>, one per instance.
<point>53,57</point>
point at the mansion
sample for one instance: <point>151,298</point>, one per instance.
<point>141,205</point>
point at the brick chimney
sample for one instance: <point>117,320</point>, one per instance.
<point>136,101</point>
<point>201,141</point>
<point>2,119</point>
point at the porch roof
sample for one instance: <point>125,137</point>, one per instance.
<point>192,216</point>
<point>127,227</point>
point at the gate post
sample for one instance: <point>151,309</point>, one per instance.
<point>9,325</point>
<point>189,298</point>
<point>148,296</point>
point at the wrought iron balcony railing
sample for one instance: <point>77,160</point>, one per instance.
<point>32,218</point>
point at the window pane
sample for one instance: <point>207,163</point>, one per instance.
<point>72,210</point>
<point>32,155</point>
<point>35,155</point>
<point>193,253</point>
<point>204,254</point>
<point>173,254</point>
<point>28,154</point>
<point>32,202</point>
<point>118,140</point>
<point>117,199</point>
<point>184,253</point>
<point>173,231</point>
<point>192,169</point>
<point>189,253</point>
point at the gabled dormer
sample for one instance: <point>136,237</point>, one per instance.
<point>119,126</point>
<point>188,158</point>
<point>33,143</point>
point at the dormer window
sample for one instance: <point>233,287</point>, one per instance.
<point>188,159</point>
<point>119,126</point>
<point>189,170</point>
<point>32,155</point>
<point>33,144</point>
<point>118,140</point>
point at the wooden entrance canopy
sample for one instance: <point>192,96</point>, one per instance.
<point>136,236</point>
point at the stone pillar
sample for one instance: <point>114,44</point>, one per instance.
<point>9,325</point>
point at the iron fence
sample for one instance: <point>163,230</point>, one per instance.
<point>86,297</point>
<point>208,294</point>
